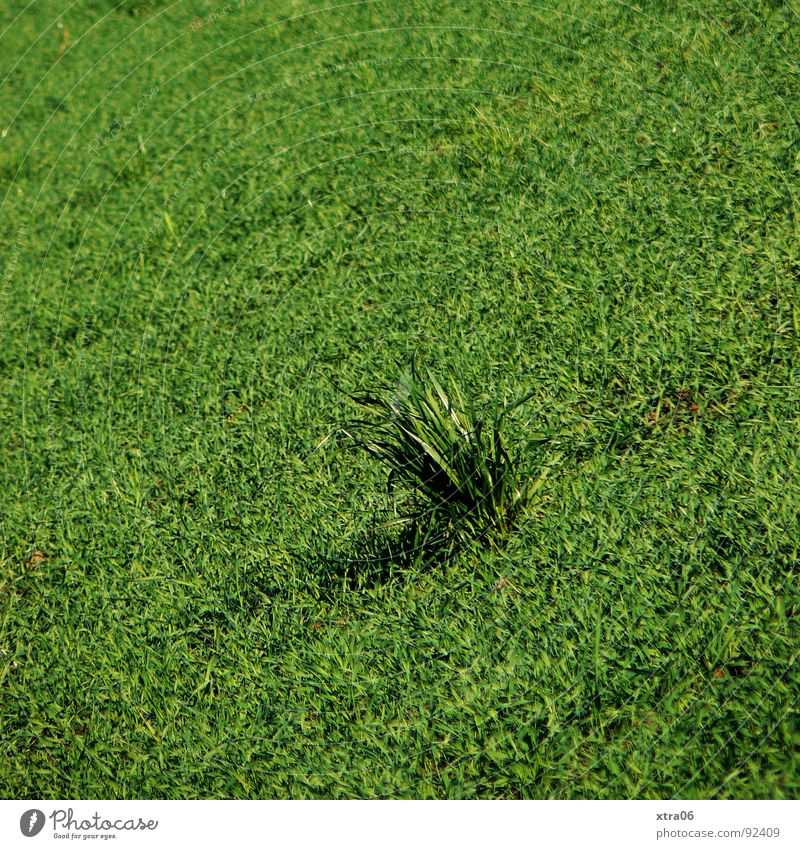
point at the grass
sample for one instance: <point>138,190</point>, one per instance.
<point>204,224</point>
<point>452,458</point>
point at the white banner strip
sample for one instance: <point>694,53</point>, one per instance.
<point>370,824</point>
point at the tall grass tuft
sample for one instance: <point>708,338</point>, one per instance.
<point>449,455</point>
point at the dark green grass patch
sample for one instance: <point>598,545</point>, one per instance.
<point>459,480</point>
<point>209,217</point>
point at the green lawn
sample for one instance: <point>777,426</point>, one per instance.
<point>213,213</point>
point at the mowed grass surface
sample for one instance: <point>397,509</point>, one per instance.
<point>211,212</point>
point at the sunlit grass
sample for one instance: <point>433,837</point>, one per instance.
<point>205,589</point>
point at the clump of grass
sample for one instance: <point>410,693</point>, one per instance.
<point>450,455</point>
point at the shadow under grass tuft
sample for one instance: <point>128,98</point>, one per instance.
<point>382,553</point>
